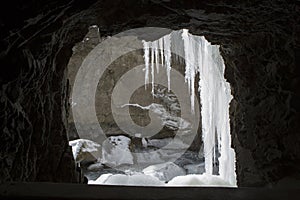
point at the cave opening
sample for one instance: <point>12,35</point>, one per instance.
<point>258,42</point>
<point>159,114</point>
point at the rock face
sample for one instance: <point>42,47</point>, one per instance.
<point>259,43</point>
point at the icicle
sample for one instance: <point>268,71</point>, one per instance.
<point>146,59</point>
<point>156,54</point>
<point>215,98</point>
<point>167,54</point>
<point>190,64</point>
<point>152,69</point>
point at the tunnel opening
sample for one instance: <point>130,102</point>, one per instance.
<point>149,126</point>
<point>259,45</point>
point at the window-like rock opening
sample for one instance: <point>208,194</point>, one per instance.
<point>159,113</point>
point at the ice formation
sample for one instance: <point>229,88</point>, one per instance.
<point>200,57</point>
<point>155,54</point>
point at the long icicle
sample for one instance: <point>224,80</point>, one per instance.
<point>146,59</point>
<point>167,48</point>
<point>152,69</point>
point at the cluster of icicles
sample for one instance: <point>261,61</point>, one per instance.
<point>200,57</point>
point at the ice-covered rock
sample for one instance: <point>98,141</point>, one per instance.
<point>85,150</point>
<point>165,171</point>
<point>199,180</point>
<point>115,151</point>
<point>121,179</point>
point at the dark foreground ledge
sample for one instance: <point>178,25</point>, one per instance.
<point>59,191</point>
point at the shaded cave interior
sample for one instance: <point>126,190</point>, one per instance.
<point>260,61</point>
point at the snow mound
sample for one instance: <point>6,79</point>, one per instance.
<point>121,179</point>
<point>165,171</point>
<point>115,151</point>
<point>205,180</point>
<point>82,148</point>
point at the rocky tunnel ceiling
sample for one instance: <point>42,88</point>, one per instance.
<point>259,43</point>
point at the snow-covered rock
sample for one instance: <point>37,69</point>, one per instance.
<point>199,180</point>
<point>85,150</point>
<point>165,171</point>
<point>121,179</point>
<point>115,151</point>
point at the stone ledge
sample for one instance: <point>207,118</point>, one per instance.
<point>64,191</point>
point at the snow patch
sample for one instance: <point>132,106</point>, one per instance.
<point>121,179</point>
<point>204,180</point>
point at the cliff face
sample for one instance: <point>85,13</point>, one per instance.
<point>259,43</point>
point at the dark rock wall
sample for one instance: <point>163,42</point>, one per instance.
<point>259,42</point>
<point>265,117</point>
<point>34,93</point>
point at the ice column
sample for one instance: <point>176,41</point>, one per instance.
<point>215,95</point>
<point>167,55</point>
<point>146,58</point>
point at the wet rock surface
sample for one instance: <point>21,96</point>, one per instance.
<point>259,43</point>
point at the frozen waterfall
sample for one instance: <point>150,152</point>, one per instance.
<point>200,57</point>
